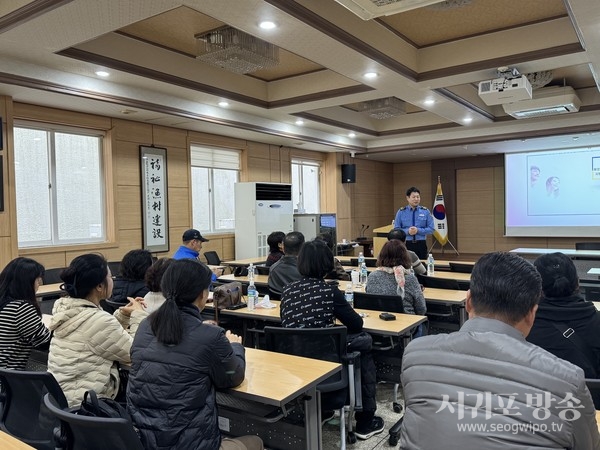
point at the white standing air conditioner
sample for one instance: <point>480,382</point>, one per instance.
<point>548,101</point>
<point>260,209</point>
<point>369,9</point>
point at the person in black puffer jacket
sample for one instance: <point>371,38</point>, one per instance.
<point>565,324</point>
<point>130,281</point>
<point>177,362</point>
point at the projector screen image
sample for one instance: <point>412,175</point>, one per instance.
<point>553,193</point>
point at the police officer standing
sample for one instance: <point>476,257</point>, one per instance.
<point>416,222</point>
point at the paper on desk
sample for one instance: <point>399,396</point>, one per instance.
<point>266,303</point>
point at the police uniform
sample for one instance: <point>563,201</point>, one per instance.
<point>421,218</point>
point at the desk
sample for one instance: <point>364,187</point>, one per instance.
<point>7,442</point>
<point>259,280</point>
<point>276,379</point>
<point>245,262</point>
<point>594,272</point>
<point>458,276</point>
<point>47,290</point>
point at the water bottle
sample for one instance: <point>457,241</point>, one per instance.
<point>430,265</point>
<point>361,260</point>
<point>349,294</point>
<point>252,296</point>
<point>363,274</point>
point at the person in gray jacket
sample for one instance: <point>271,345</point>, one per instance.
<point>485,386</point>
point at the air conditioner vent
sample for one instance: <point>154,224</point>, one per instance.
<point>369,9</point>
<point>547,101</point>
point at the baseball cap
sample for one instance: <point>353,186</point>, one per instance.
<point>192,234</point>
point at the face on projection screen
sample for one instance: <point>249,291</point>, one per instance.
<point>553,193</point>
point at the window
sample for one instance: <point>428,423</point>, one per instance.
<point>214,172</point>
<point>59,186</point>
<point>305,186</point>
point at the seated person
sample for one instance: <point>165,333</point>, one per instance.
<point>177,363</point>
<point>154,298</point>
<point>192,242</point>
<point>88,343</point>
<point>284,271</point>
<point>416,264</point>
<point>131,281</point>
<point>565,324</point>
<point>275,241</point>
<point>485,386</point>
<point>392,277</point>
<point>312,303</point>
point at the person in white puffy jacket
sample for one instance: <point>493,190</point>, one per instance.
<point>88,342</point>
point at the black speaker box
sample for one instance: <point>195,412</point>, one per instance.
<point>348,173</point>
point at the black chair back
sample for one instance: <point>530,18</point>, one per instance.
<point>115,268</point>
<point>52,276</point>
<point>261,269</point>
<point>439,283</point>
<point>377,302</point>
<point>212,258</point>
<point>93,433</point>
<point>24,415</point>
<point>593,385</point>
<point>587,246</point>
<point>460,267</point>
<point>369,262</point>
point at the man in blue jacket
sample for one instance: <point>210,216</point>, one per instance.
<point>416,221</point>
<point>190,249</point>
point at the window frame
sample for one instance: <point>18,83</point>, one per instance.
<point>106,194</point>
<point>302,162</point>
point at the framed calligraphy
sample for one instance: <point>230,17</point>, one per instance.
<point>155,210</point>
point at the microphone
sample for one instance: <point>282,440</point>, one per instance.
<point>366,229</point>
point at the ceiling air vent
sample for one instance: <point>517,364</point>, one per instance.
<point>369,9</point>
<point>548,101</point>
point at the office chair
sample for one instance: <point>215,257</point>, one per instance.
<point>92,433</point>
<point>115,268</point>
<point>52,276</point>
<point>24,415</point>
<point>212,258</point>
<point>460,267</point>
<point>587,246</point>
<point>369,262</point>
<point>261,269</point>
<point>439,283</point>
<point>340,391</point>
<point>387,350</point>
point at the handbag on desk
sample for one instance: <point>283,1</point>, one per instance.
<point>226,296</point>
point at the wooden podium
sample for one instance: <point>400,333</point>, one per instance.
<point>380,238</point>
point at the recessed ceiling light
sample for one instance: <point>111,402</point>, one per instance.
<point>371,75</point>
<point>352,134</point>
<point>102,73</point>
<point>299,122</point>
<point>468,120</point>
<point>429,102</point>
<point>267,25</point>
<point>223,104</point>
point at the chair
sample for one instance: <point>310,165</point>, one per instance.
<point>52,276</point>
<point>92,433</point>
<point>212,258</point>
<point>439,283</point>
<point>261,269</point>
<point>460,267</point>
<point>387,350</point>
<point>115,268</point>
<point>338,392</point>
<point>593,384</point>
<point>369,262</point>
<point>587,246</point>
<point>24,415</point>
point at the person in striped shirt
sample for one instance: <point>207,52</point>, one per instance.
<point>21,326</point>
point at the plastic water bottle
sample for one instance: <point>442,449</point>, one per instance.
<point>361,260</point>
<point>252,296</point>
<point>363,274</point>
<point>349,294</point>
<point>430,265</point>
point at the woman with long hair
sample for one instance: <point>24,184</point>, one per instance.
<point>155,298</point>
<point>21,326</point>
<point>131,279</point>
<point>89,343</point>
<point>177,363</point>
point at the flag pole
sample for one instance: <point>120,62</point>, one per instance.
<point>440,221</point>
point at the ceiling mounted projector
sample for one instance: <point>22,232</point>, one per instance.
<point>505,90</point>
<point>369,9</point>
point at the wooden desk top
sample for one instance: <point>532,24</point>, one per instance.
<point>445,295</point>
<point>459,276</point>
<point>245,262</point>
<point>598,419</point>
<point>7,442</point>
<point>259,280</point>
<point>371,322</point>
<point>49,289</point>
<point>276,379</point>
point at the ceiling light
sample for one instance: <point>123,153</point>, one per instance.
<point>223,104</point>
<point>371,75</point>
<point>352,134</point>
<point>236,51</point>
<point>267,25</point>
<point>102,73</point>
<point>468,120</point>
<point>429,102</point>
<point>299,122</point>
<point>383,108</point>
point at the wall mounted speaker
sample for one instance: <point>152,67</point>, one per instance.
<point>348,173</point>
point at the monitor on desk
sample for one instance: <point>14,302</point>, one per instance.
<point>327,221</point>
